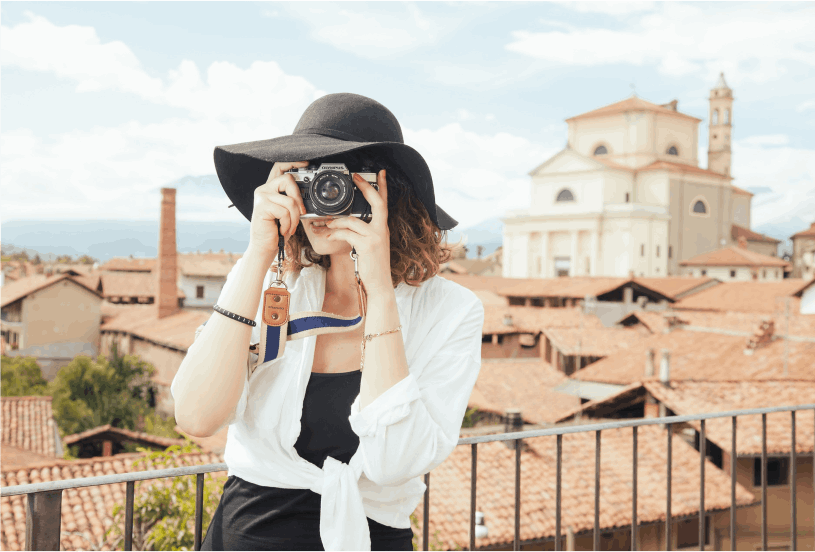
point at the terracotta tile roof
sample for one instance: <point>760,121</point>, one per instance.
<point>176,331</point>
<point>216,265</point>
<point>737,232</point>
<point>572,287</point>
<point>450,486</point>
<point>799,324</point>
<point>86,510</point>
<point>593,342</point>
<point>705,356</point>
<point>491,299</point>
<point>633,103</point>
<point>752,296</point>
<point>17,458</point>
<point>612,164</point>
<point>735,256</point>
<point>110,310</point>
<point>130,264</point>
<point>674,286</point>
<point>808,233</point>
<point>535,319</point>
<point>654,322</point>
<point>14,291</point>
<point>521,383</point>
<point>697,397</point>
<point>489,283</point>
<point>121,434</point>
<point>130,284</point>
<point>28,424</point>
<point>682,168</point>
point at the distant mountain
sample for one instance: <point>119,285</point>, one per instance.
<point>104,239</point>
<point>487,233</point>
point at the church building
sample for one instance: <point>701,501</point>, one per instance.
<point>627,195</point>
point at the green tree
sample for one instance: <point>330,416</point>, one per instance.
<point>22,376</point>
<point>164,510</point>
<point>88,393</point>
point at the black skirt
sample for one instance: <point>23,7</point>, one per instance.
<point>256,517</point>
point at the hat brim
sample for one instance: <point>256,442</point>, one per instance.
<point>243,167</point>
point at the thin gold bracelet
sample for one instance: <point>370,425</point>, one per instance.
<point>368,337</point>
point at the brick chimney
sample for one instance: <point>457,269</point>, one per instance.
<point>512,422</point>
<point>166,274</point>
<point>651,407</point>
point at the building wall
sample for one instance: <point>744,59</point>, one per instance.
<point>764,248</point>
<point>691,233</point>
<point>723,273</point>
<point>212,290</point>
<point>509,347</point>
<point>803,257</point>
<point>740,209</point>
<point>64,312</point>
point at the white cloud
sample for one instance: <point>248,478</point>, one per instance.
<point>804,106</point>
<point>609,8</point>
<point>749,42</point>
<point>768,161</point>
<point>479,176</point>
<point>370,32</point>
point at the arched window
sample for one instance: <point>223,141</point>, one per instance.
<point>672,151</point>
<point>700,207</point>
<point>565,195</point>
<point>715,117</point>
<point>600,150</point>
<point>727,116</point>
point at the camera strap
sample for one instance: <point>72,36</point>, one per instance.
<point>278,325</point>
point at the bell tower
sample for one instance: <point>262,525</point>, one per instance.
<point>720,128</point>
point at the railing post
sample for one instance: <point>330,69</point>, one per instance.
<point>43,520</point>
<point>517,544</point>
<point>634,491</point>
<point>426,514</point>
<point>199,510</point>
<point>793,494</point>
<point>474,455</point>
<point>733,459</point>
<point>129,492</point>
<point>597,491</point>
<point>558,492</point>
<point>669,428</point>
<point>764,536</point>
<point>702,450</point>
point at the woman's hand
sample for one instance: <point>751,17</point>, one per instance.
<point>370,240</point>
<point>276,200</point>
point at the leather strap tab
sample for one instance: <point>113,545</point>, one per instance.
<point>276,306</point>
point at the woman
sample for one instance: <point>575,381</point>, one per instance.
<point>326,445</point>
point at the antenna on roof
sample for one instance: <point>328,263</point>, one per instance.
<point>633,89</point>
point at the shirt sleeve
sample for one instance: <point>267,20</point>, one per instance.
<point>414,426</point>
<point>240,407</point>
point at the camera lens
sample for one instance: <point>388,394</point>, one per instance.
<point>329,190</point>
<point>332,193</point>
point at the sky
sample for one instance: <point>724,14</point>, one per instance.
<point>103,103</point>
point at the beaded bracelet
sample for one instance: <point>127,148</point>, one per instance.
<point>368,337</point>
<point>234,316</point>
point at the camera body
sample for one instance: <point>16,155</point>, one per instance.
<point>328,191</point>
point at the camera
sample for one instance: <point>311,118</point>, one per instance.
<point>328,191</point>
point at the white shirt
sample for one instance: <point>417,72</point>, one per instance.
<point>404,433</point>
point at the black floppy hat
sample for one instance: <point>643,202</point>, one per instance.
<point>332,125</point>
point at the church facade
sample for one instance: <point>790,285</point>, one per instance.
<point>627,195</point>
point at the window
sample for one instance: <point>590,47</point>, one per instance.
<point>627,197</point>
<point>565,195</point>
<point>486,338</point>
<point>657,251</point>
<point>642,250</point>
<point>199,292</point>
<point>727,116</point>
<point>670,251</point>
<point>673,151</point>
<point>764,274</point>
<point>777,471</point>
<point>699,207</point>
<point>732,273</point>
<point>715,119</point>
<point>600,150</point>
<point>704,272</point>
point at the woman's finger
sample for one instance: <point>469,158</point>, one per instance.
<point>352,238</point>
<point>280,213</point>
<point>382,181</point>
<point>288,186</point>
<point>379,209</point>
<point>281,167</point>
<point>350,223</point>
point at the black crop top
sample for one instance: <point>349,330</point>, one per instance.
<point>253,512</point>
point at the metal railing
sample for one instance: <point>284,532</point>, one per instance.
<point>43,515</point>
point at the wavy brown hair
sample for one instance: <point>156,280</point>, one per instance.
<point>417,248</point>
